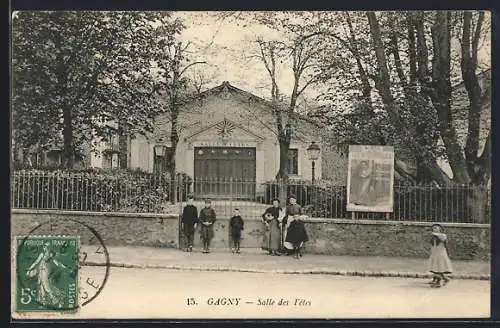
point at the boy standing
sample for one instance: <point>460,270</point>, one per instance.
<point>207,219</point>
<point>189,221</point>
<point>236,225</point>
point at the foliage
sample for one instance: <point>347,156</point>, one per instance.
<point>75,71</point>
<point>404,65</point>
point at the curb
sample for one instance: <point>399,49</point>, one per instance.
<point>307,271</point>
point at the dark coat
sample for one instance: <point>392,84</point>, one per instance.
<point>189,217</point>
<point>292,210</point>
<point>207,215</point>
<point>236,224</point>
<point>272,237</point>
<point>274,211</point>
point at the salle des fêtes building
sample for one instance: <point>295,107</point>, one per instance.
<point>227,133</point>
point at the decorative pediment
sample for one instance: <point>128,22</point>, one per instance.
<point>225,130</point>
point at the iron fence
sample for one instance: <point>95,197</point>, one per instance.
<point>95,191</point>
<point>146,192</point>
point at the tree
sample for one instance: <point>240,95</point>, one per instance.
<point>75,69</point>
<point>173,64</point>
<point>301,54</point>
<point>414,65</point>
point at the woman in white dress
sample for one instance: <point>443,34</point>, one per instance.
<point>47,294</point>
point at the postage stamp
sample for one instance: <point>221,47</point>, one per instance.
<point>47,273</point>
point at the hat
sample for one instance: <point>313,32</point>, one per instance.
<point>292,196</point>
<point>208,201</point>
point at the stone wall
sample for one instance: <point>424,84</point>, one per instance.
<point>332,237</point>
<point>116,229</point>
<point>400,239</point>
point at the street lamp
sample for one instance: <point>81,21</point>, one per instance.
<point>313,152</point>
<point>160,150</point>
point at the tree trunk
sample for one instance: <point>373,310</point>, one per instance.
<point>15,152</point>
<point>174,140</point>
<point>469,66</point>
<point>282,176</point>
<point>441,95</point>
<point>478,204</point>
<point>123,145</point>
<point>68,153</point>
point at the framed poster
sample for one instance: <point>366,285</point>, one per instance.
<point>370,179</point>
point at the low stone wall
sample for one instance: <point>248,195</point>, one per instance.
<point>116,229</point>
<point>327,236</point>
<point>390,238</point>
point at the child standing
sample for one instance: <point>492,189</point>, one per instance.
<point>189,220</point>
<point>207,219</point>
<point>439,262</point>
<point>236,225</point>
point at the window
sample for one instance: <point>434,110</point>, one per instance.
<point>53,158</point>
<point>293,161</point>
<point>162,163</point>
<point>111,161</point>
<point>33,160</point>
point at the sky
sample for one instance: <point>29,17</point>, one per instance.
<point>226,45</point>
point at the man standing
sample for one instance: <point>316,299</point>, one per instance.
<point>189,221</point>
<point>207,219</point>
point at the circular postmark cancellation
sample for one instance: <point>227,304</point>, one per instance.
<point>61,265</point>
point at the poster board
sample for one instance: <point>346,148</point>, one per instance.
<point>370,179</point>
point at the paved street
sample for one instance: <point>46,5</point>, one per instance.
<point>160,293</point>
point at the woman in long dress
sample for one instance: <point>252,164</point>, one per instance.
<point>439,262</point>
<point>48,294</point>
<point>272,218</point>
<point>291,234</point>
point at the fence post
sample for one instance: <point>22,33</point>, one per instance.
<point>230,194</point>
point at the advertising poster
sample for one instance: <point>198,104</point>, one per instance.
<point>370,179</point>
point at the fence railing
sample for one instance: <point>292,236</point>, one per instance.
<point>89,191</point>
<point>153,193</point>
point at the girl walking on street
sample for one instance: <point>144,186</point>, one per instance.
<point>439,262</point>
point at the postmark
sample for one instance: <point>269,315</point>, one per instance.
<point>61,266</point>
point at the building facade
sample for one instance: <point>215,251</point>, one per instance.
<point>227,134</point>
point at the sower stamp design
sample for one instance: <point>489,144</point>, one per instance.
<point>47,273</point>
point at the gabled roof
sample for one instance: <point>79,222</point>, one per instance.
<point>227,87</point>
<point>216,124</point>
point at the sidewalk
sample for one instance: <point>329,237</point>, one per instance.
<point>256,260</point>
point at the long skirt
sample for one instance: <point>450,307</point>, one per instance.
<point>439,262</point>
<point>296,234</point>
<point>274,236</point>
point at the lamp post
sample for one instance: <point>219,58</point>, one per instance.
<point>313,152</point>
<point>160,151</point>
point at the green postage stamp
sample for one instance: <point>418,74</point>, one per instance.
<point>47,273</point>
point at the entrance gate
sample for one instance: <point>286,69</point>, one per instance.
<point>224,172</point>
